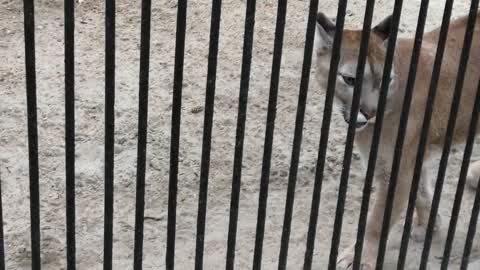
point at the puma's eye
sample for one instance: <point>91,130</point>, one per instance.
<point>348,80</point>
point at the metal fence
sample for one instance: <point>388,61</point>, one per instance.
<point>240,134</point>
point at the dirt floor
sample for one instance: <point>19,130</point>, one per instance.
<point>90,138</point>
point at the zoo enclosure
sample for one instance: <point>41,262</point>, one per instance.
<point>271,113</point>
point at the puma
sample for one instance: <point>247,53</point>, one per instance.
<point>368,107</point>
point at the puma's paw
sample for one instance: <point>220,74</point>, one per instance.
<point>419,231</point>
<point>345,261</point>
<point>473,176</point>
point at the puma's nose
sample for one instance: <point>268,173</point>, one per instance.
<point>369,114</point>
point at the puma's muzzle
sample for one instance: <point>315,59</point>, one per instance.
<point>363,118</point>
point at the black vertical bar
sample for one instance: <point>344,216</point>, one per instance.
<point>362,57</point>
<point>142,132</point>
<point>109,129</point>
<point>409,90</point>
<point>298,132</point>
<point>327,116</point>
<point>207,130</point>
<point>2,248</point>
<point>29,31</point>
<point>382,101</point>
<point>461,181</point>
<point>423,138</point>
<point>401,135</point>
<point>70,130</point>
<point>240,133</point>
<point>175,134</point>
<point>269,132</point>
<point>457,95</point>
<point>472,228</point>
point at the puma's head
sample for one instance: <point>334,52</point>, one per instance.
<point>348,66</point>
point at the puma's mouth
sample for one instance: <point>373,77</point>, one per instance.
<point>358,125</point>
<point>361,122</point>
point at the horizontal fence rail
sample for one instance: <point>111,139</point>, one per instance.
<point>395,177</point>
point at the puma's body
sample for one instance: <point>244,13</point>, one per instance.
<point>446,83</point>
<point>396,92</point>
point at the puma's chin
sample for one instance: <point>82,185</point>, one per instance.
<point>360,126</point>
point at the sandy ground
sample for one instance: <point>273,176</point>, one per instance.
<point>90,128</point>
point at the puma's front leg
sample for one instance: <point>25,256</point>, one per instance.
<point>372,235</point>
<point>423,205</point>
<point>375,221</point>
<point>473,175</point>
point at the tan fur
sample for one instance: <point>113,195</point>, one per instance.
<point>446,84</point>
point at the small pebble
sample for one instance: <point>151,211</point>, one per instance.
<point>197,109</point>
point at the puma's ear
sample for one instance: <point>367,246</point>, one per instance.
<point>383,28</point>
<point>324,32</point>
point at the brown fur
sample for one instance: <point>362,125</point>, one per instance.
<point>436,138</point>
